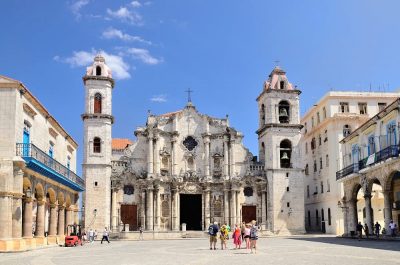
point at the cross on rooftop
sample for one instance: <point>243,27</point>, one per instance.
<point>189,91</point>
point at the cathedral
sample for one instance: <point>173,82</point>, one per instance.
<point>186,170</point>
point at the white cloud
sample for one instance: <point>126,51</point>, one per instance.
<point>136,4</point>
<point>77,6</point>
<point>143,55</point>
<point>125,15</point>
<point>112,33</point>
<point>159,98</point>
<point>119,67</point>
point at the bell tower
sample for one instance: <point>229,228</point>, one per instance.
<point>279,134</point>
<point>97,121</point>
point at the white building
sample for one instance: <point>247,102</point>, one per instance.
<point>333,117</point>
<point>38,184</point>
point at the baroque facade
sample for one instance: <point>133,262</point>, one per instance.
<point>186,169</point>
<point>333,117</point>
<point>39,187</point>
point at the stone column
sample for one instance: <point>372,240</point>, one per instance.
<point>207,155</point>
<point>114,225</point>
<point>149,213</point>
<point>40,219</point>
<point>156,156</point>
<point>27,221</point>
<point>150,155</point>
<point>368,211</point>
<point>345,211</point>
<point>238,221</point>
<point>17,203</point>
<point>142,209</point>
<point>53,220</point>
<point>232,158</point>
<point>157,221</point>
<point>387,208</point>
<point>226,206</point>
<point>226,157</point>
<point>174,204</point>
<point>207,198</point>
<point>61,221</point>
<point>68,216</point>
<point>233,208</point>
<point>263,209</point>
<point>5,214</point>
<point>352,217</point>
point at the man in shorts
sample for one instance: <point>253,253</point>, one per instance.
<point>213,231</point>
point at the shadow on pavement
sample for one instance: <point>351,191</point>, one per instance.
<point>364,243</point>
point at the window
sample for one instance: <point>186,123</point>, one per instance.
<point>287,189</point>
<point>346,130</point>
<point>324,112</point>
<point>343,107</point>
<point>98,70</point>
<point>262,114</point>
<point>97,103</point>
<point>95,183</point>
<point>96,145</point>
<point>128,189</point>
<point>391,133</point>
<point>328,186</point>
<point>306,170</point>
<point>306,148</point>
<point>305,127</point>
<point>285,153</point>
<point>316,190</point>
<point>322,187</point>
<point>282,84</point>
<point>315,165</point>
<point>248,191</point>
<point>363,108</point>
<point>327,160</point>
<point>381,106</point>
<point>319,139</point>
<point>68,162</point>
<point>309,218</point>
<point>329,217</point>
<point>326,136</point>
<point>316,218</point>
<point>322,215</point>
<point>308,191</point>
<point>284,111</point>
<point>51,149</point>
<point>318,118</point>
<point>312,122</point>
<point>190,143</point>
<point>371,145</point>
<point>313,143</point>
<point>288,204</point>
<point>320,163</point>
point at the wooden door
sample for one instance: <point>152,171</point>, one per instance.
<point>249,213</point>
<point>129,216</point>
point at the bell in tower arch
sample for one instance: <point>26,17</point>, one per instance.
<point>283,115</point>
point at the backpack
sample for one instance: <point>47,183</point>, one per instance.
<point>211,230</point>
<point>253,232</point>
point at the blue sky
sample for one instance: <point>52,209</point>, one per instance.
<point>223,50</point>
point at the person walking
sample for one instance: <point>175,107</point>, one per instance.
<point>377,229</point>
<point>105,235</point>
<point>253,236</point>
<point>141,233</point>
<point>359,230</point>
<point>237,237</point>
<point>242,228</point>
<point>213,231</point>
<point>366,230</point>
<point>247,235</point>
<point>223,236</point>
<point>392,228</point>
<point>91,235</point>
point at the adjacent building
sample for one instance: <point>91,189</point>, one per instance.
<point>39,188</point>
<point>370,171</point>
<point>333,117</point>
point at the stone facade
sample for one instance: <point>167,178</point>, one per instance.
<point>38,185</point>
<point>186,170</point>
<point>334,116</point>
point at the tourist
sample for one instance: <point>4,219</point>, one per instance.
<point>247,235</point>
<point>377,229</point>
<point>213,231</point>
<point>91,235</point>
<point>141,233</point>
<point>223,236</point>
<point>105,235</point>
<point>253,236</point>
<point>237,237</point>
<point>242,230</point>
<point>366,230</point>
<point>359,230</point>
<point>392,228</point>
<point>95,234</point>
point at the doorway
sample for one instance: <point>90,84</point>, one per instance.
<point>248,213</point>
<point>190,211</point>
<point>129,216</point>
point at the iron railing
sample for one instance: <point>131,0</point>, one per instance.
<point>32,151</point>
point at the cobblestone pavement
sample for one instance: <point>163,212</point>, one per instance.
<point>308,250</point>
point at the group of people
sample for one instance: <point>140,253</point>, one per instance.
<point>93,235</point>
<point>377,229</point>
<point>247,233</point>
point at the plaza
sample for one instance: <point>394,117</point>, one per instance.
<point>272,250</point>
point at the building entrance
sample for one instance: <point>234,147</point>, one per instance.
<point>129,216</point>
<point>248,213</point>
<point>190,211</point>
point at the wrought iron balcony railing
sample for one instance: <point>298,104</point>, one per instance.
<point>31,151</point>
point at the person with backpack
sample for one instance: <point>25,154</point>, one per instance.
<point>213,231</point>
<point>253,236</point>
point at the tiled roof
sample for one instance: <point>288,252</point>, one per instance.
<point>119,144</point>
